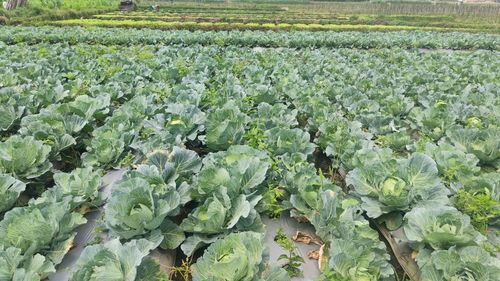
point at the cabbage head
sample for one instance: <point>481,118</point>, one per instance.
<point>237,257</point>
<point>440,226</point>
<point>113,260</point>
<point>134,208</point>
<point>24,157</point>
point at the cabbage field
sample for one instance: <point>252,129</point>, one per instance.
<point>386,143</point>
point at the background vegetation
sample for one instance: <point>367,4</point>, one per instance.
<point>264,15</point>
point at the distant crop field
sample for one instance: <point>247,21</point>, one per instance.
<point>310,16</point>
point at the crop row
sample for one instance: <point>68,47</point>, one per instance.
<point>213,137</point>
<point>359,40</point>
<point>394,22</point>
<point>230,26</point>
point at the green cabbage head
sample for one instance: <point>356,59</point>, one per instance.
<point>135,209</point>
<point>441,227</point>
<point>24,157</point>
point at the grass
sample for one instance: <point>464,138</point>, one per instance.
<point>38,11</point>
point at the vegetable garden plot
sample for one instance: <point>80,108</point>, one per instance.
<point>214,138</point>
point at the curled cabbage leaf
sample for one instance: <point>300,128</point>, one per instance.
<point>453,164</point>
<point>241,169</point>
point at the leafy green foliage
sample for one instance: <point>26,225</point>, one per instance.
<point>228,188</point>
<point>178,124</point>
<point>110,141</point>
<point>9,115</point>
<point>290,144</point>
<point>479,207</point>
<point>352,248</point>
<point>271,202</point>
<point>408,128</point>
<point>293,261</point>
<point>340,139</point>
<point>452,164</point>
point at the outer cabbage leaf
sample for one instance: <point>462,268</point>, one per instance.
<point>304,186</point>
<point>440,226</point>
<point>113,261</point>
<point>106,148</point>
<point>110,141</point>
<point>486,183</point>
<point>341,139</point>
<point>86,107</point>
<point>276,115</point>
<point>24,157</point>
<point>53,128</point>
<point>168,170</point>
<point>10,188</point>
<point>221,213</point>
<point>433,121</point>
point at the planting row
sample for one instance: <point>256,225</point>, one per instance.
<point>400,21</point>
<point>359,40</point>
